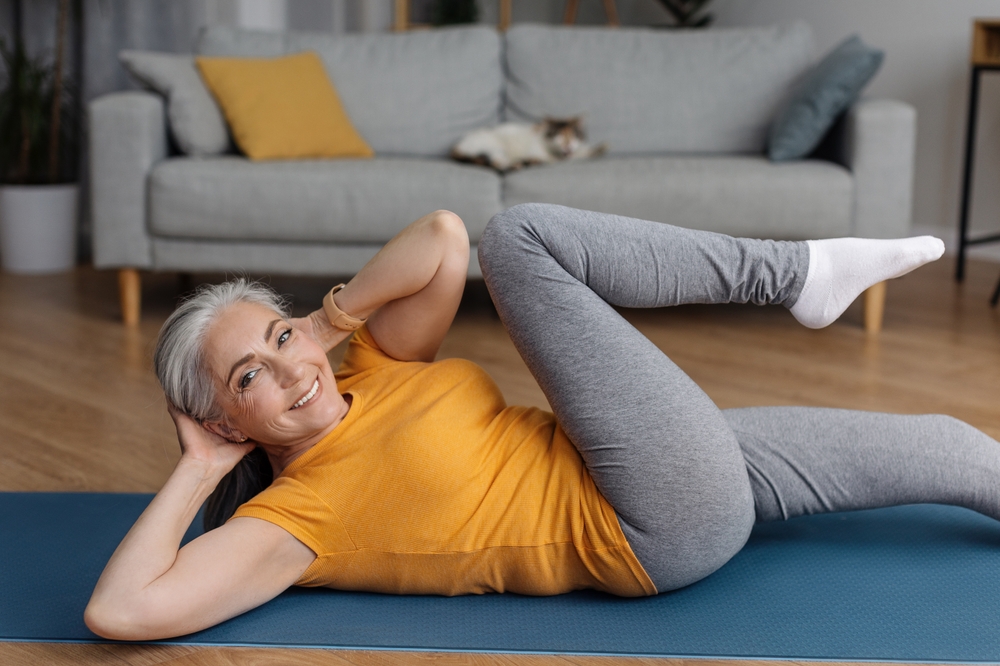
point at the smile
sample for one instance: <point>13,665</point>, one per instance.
<point>308,396</point>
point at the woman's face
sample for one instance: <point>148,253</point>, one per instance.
<point>274,383</point>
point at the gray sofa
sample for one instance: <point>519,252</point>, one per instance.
<point>685,116</point>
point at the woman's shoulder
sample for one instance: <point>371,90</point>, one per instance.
<point>394,391</point>
<point>297,508</point>
<point>362,354</point>
<point>365,363</point>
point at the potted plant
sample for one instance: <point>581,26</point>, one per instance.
<point>453,12</point>
<point>38,158</point>
<point>688,13</point>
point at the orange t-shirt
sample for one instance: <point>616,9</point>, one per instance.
<point>432,485</point>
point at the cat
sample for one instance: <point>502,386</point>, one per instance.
<point>510,146</point>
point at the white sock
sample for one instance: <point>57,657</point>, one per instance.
<point>841,268</point>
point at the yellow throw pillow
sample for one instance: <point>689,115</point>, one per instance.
<point>282,107</point>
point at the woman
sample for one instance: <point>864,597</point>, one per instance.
<point>406,476</point>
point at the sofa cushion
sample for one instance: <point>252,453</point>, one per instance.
<point>348,200</point>
<point>282,108</point>
<point>739,195</point>
<point>825,92</point>
<point>648,91</point>
<point>413,93</point>
<point>196,123</point>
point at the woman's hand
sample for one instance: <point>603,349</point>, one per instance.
<point>200,444</point>
<point>318,327</point>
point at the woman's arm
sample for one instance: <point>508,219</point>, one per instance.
<point>409,291</point>
<point>150,589</point>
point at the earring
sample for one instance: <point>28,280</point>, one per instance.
<point>243,439</point>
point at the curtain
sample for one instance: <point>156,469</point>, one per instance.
<point>112,25</point>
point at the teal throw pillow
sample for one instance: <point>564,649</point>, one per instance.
<point>828,89</point>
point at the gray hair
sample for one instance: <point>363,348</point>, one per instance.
<point>179,358</point>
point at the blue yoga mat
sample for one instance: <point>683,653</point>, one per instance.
<point>913,583</point>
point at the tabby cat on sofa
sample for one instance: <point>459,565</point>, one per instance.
<point>510,146</point>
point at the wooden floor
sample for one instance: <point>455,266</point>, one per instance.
<point>80,408</point>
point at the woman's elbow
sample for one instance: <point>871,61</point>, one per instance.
<point>448,225</point>
<point>118,624</point>
<point>106,622</point>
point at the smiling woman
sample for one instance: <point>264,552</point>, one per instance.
<point>195,345</point>
<point>279,392</point>
<point>250,390</point>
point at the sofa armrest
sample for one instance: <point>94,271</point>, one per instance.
<point>128,135</point>
<point>877,141</point>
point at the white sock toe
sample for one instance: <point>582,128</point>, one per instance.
<point>841,268</point>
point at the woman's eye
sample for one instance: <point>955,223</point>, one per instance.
<point>247,378</point>
<point>284,336</point>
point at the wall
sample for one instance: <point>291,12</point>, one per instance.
<point>927,46</point>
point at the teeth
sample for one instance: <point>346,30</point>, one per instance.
<point>308,396</point>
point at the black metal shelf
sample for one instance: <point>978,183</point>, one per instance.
<point>964,240</point>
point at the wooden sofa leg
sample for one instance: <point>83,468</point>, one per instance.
<point>874,308</point>
<point>130,295</point>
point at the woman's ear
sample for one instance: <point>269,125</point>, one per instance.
<point>224,431</point>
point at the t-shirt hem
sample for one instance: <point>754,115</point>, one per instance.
<point>628,555</point>
<point>638,571</point>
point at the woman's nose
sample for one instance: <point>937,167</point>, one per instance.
<point>290,372</point>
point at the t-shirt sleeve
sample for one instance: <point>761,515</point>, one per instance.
<point>292,506</point>
<point>362,354</point>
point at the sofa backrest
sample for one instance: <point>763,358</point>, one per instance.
<point>649,90</point>
<point>414,93</point>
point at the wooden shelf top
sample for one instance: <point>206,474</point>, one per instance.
<point>986,42</point>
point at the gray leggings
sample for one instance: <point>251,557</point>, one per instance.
<point>686,479</point>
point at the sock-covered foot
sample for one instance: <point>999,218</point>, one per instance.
<point>841,268</point>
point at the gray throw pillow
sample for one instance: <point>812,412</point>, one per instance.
<point>828,89</point>
<point>196,122</point>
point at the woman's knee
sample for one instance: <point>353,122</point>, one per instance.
<point>507,223</point>
<point>507,236</point>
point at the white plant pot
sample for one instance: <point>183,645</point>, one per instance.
<point>38,228</point>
